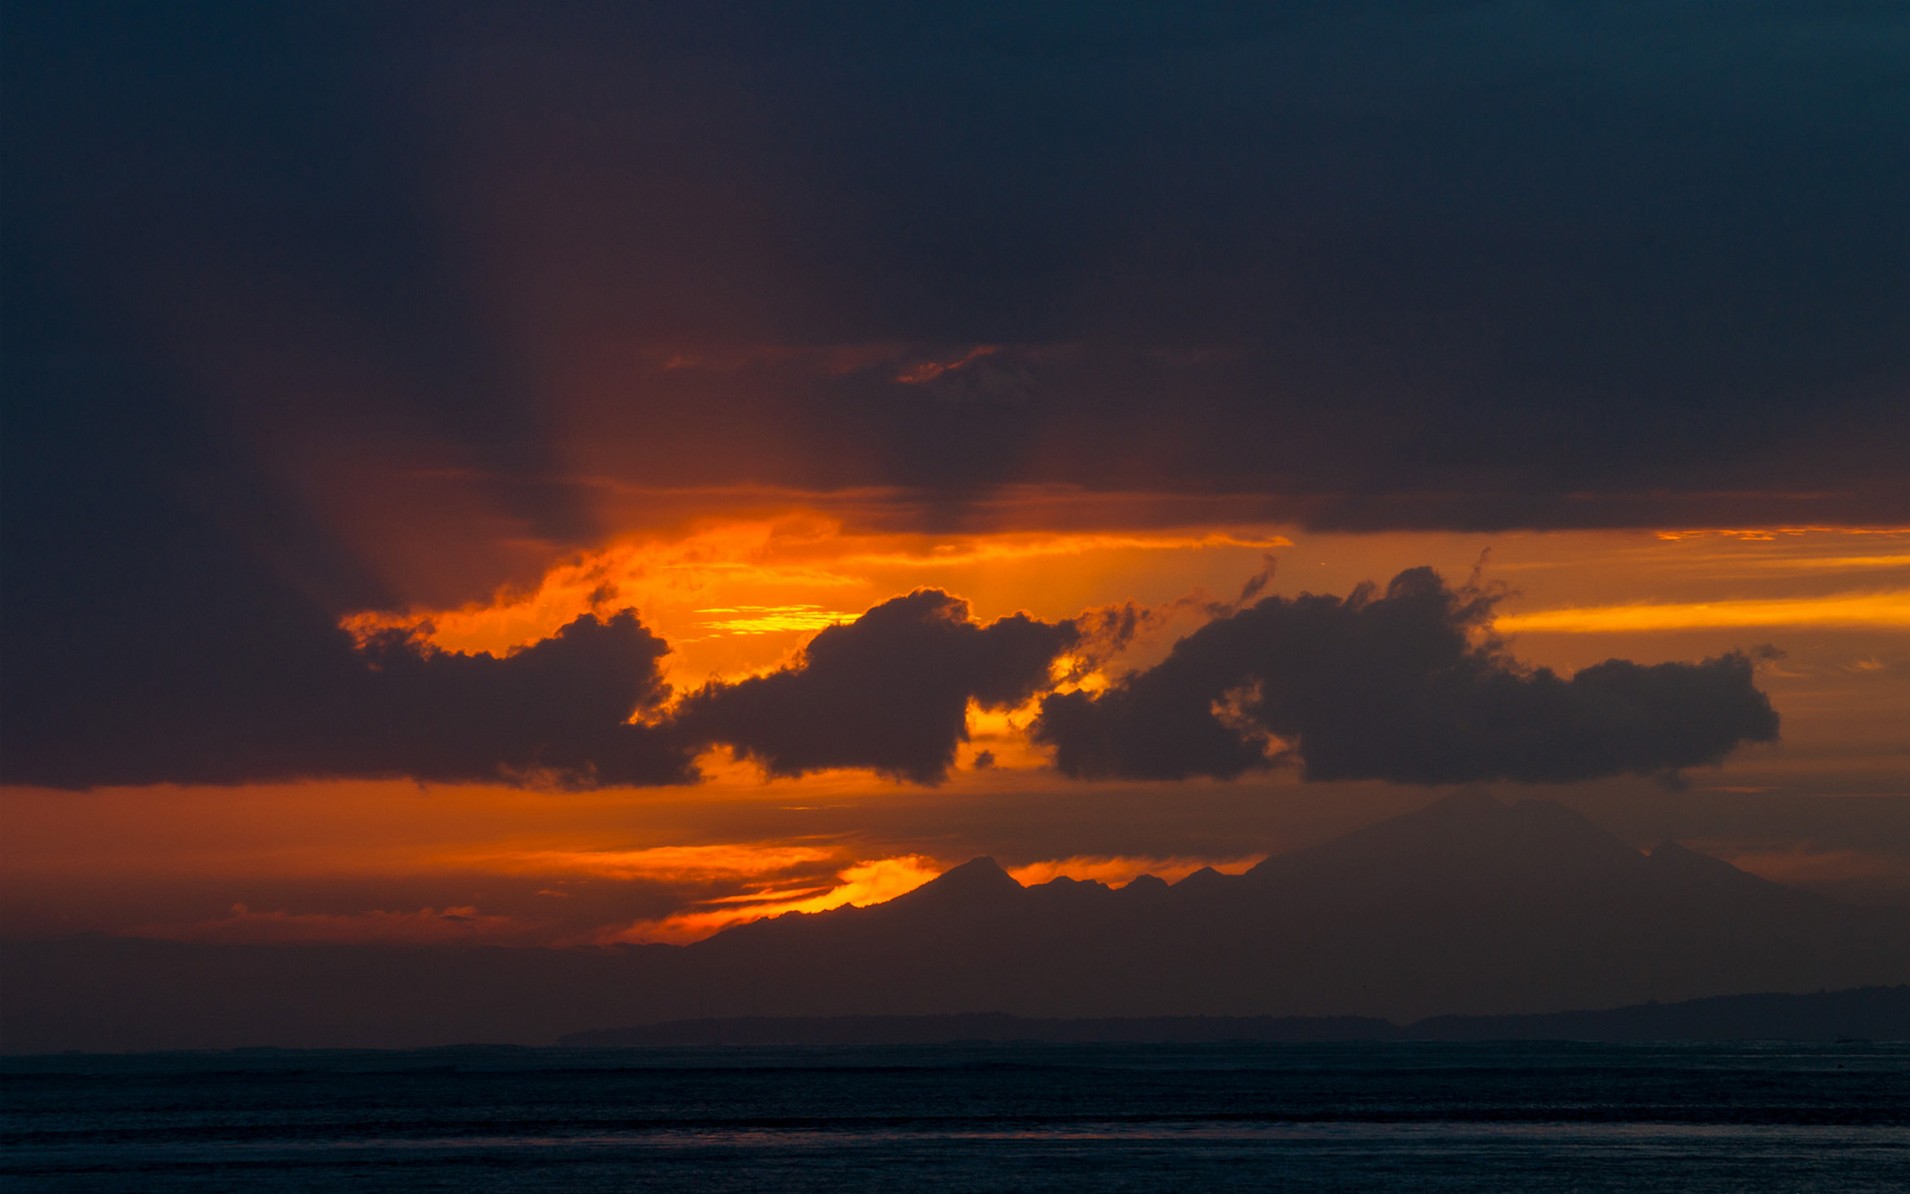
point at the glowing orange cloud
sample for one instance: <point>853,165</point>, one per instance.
<point>878,880</point>
<point>1876,610</point>
<point>869,882</point>
<point>1118,870</point>
<point>728,862</point>
<point>882,879</point>
<point>736,598</point>
<point>1771,534</point>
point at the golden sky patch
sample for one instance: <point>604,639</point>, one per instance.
<point>734,599</point>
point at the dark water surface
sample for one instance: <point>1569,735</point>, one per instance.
<point>1552,1117</point>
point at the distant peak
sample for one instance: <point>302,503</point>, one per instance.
<point>1484,809</point>
<point>1069,882</point>
<point>981,864</point>
<point>1461,812</point>
<point>1459,809</point>
<point>977,876</point>
<point>1671,853</point>
<point>1467,830</point>
<point>1469,801</point>
<point>1203,878</point>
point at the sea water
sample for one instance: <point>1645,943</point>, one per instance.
<point>1415,1117</point>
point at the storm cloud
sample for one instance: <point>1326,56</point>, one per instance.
<point>889,691</point>
<point>556,712</point>
<point>1406,685</point>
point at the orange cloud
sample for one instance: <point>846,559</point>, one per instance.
<point>672,865</point>
<point>868,882</point>
<point>1770,534</point>
<point>736,598</point>
<point>1872,610</point>
<point>1117,870</point>
<point>1028,546</point>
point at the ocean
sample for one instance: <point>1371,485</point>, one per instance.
<point>1414,1117</point>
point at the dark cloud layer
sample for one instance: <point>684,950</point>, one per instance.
<point>1407,686</point>
<point>1404,685</point>
<point>889,691</point>
<point>1395,265</point>
<point>278,278</point>
<point>555,713</point>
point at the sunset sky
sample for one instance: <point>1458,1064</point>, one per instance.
<point>549,474</point>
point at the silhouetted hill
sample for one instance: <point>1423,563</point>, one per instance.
<point>1864,1014</point>
<point>977,882</point>
<point>1468,906</point>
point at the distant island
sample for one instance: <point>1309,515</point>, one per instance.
<point>1861,1014</point>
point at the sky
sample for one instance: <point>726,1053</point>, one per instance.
<point>564,474</point>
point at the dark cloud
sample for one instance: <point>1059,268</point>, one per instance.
<point>1452,265</point>
<point>889,691</point>
<point>552,714</point>
<point>557,711</point>
<point>280,282</point>
<point>169,614</point>
<point>1405,685</point>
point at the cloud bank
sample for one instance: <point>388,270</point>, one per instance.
<point>1405,685</point>
<point>556,713</point>
<point>889,691</point>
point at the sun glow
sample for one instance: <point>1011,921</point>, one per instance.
<point>773,619</point>
<point>663,864</point>
<point>737,598</point>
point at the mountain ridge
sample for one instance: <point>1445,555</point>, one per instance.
<point>1466,907</point>
<point>1467,904</point>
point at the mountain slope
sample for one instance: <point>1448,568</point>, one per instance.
<point>1466,906</point>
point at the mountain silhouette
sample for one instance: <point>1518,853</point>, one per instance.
<point>1466,907</point>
